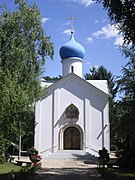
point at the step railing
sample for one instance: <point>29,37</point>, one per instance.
<point>48,149</point>
<point>92,148</point>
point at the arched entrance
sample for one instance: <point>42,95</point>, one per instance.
<point>72,138</point>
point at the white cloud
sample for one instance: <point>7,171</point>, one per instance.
<point>89,40</point>
<point>67,31</point>
<point>44,20</point>
<point>106,32</point>
<point>86,2</point>
<point>83,2</point>
<point>109,32</point>
<point>119,41</point>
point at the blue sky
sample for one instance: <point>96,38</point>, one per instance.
<point>92,30</point>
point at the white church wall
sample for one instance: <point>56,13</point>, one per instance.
<point>99,118</point>
<point>46,126</point>
<point>56,117</point>
<point>65,99</point>
<point>95,129</point>
<point>87,118</point>
<point>68,63</point>
<point>38,125</point>
<point>107,127</point>
<point>93,109</point>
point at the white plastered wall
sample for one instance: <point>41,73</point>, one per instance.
<point>72,62</point>
<point>93,116</point>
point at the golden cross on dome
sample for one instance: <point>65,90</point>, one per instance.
<point>72,22</point>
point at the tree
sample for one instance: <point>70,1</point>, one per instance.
<point>101,73</point>
<point>126,114</point>
<point>52,78</point>
<point>24,48</point>
<point>122,12</point>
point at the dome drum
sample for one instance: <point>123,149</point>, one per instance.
<point>72,54</point>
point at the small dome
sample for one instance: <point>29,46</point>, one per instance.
<point>72,49</point>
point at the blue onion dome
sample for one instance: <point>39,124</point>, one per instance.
<point>72,49</point>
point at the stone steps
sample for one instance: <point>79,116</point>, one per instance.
<point>64,154</point>
<point>69,159</point>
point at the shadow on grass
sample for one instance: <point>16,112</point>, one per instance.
<point>117,174</point>
<point>66,174</point>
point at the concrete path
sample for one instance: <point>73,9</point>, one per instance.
<point>67,174</point>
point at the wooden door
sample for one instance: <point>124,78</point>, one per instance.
<point>72,139</point>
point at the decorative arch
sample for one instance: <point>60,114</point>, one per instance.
<point>72,112</point>
<point>77,135</point>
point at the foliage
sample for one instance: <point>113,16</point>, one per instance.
<point>127,81</point>
<point>2,147</point>
<point>101,73</point>
<point>122,12</point>
<point>126,115</point>
<point>35,159</point>
<point>33,151</point>
<point>52,78</point>
<point>24,48</point>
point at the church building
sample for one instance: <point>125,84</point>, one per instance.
<point>74,113</point>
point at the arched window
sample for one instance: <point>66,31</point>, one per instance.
<point>72,112</point>
<point>72,69</point>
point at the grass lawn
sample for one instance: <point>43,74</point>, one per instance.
<point>9,171</point>
<point>8,167</point>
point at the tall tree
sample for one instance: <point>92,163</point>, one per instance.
<point>126,114</point>
<point>122,12</point>
<point>24,48</point>
<point>101,73</point>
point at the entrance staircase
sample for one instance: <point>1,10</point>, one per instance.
<point>70,159</point>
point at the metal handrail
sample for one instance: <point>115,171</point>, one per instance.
<point>91,147</point>
<point>48,149</point>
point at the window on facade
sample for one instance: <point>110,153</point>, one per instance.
<point>72,112</point>
<point>72,69</point>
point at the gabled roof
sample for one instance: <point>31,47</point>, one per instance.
<point>100,85</point>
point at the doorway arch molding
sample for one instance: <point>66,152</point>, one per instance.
<point>61,135</point>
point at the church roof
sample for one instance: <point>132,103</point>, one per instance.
<point>72,49</point>
<point>101,85</point>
